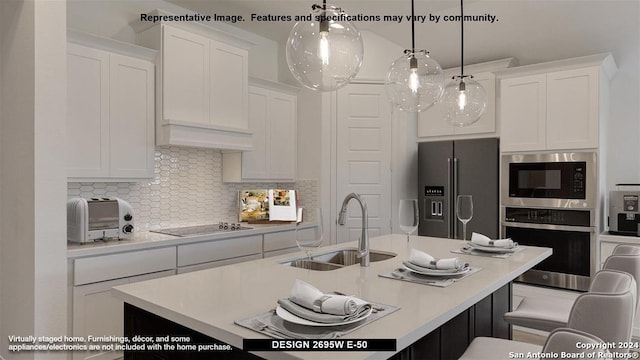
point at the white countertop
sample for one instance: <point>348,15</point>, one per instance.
<point>209,301</point>
<point>147,240</point>
<point>619,238</point>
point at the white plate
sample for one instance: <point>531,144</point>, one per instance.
<point>417,268</point>
<point>493,248</point>
<point>287,316</point>
<point>437,272</point>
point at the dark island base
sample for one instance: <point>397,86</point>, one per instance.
<point>447,342</point>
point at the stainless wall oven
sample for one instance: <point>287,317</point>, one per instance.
<point>550,200</point>
<point>568,232</point>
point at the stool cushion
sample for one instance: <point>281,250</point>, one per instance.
<point>541,313</point>
<point>482,348</point>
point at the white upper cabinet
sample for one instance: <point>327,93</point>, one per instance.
<point>431,122</point>
<point>573,100</point>
<point>185,77</point>
<point>87,112</point>
<point>229,86</point>
<point>202,87</point>
<point>555,106</point>
<point>523,99</point>
<point>272,119</point>
<point>110,113</point>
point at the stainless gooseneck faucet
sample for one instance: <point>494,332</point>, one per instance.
<point>363,244</point>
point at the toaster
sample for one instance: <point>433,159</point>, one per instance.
<point>624,212</point>
<point>99,218</point>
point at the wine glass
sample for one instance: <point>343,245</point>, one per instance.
<point>464,212</point>
<point>408,216</point>
<point>308,237</point>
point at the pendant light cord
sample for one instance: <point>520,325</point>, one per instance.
<point>413,30</point>
<point>461,38</point>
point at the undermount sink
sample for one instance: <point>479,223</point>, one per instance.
<point>337,259</point>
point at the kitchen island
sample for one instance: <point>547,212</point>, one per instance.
<point>209,301</point>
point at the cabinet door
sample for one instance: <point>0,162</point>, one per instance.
<point>572,109</point>
<point>185,88</point>
<point>523,113</point>
<point>282,136</point>
<point>96,312</point>
<point>431,122</point>
<point>191,254</point>
<point>132,117</point>
<point>87,112</point>
<point>228,86</point>
<point>487,122</point>
<point>255,163</point>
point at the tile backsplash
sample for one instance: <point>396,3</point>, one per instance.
<point>187,190</point>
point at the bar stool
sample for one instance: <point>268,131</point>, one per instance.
<point>547,314</point>
<point>565,340</point>
<point>607,315</point>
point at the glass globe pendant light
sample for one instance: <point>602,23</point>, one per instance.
<point>414,81</point>
<point>464,99</point>
<point>325,53</point>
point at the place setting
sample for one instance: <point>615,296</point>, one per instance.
<point>481,245</point>
<point>308,313</point>
<point>423,268</point>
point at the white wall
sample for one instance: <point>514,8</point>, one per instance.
<point>33,268</point>
<point>111,18</point>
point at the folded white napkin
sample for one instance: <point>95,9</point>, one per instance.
<point>308,296</point>
<point>425,260</point>
<point>483,240</point>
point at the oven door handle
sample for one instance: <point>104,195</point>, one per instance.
<point>590,229</point>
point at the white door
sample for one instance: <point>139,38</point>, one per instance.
<point>363,146</point>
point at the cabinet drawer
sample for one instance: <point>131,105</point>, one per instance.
<point>268,254</point>
<point>214,264</point>
<point>115,266</point>
<point>280,240</point>
<point>218,250</point>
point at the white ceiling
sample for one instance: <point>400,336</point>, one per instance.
<point>531,30</point>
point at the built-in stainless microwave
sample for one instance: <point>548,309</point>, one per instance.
<point>550,180</point>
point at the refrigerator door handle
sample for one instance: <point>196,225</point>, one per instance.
<point>454,200</point>
<point>448,215</point>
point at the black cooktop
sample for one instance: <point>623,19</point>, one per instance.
<point>201,229</point>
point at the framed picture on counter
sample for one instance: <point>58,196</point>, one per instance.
<point>282,205</point>
<point>254,205</point>
<point>264,205</point>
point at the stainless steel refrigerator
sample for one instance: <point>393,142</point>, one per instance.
<point>461,167</point>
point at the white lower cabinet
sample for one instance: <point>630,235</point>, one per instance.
<point>209,251</point>
<point>214,264</point>
<point>98,313</point>
<point>284,242</point>
<point>95,311</point>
